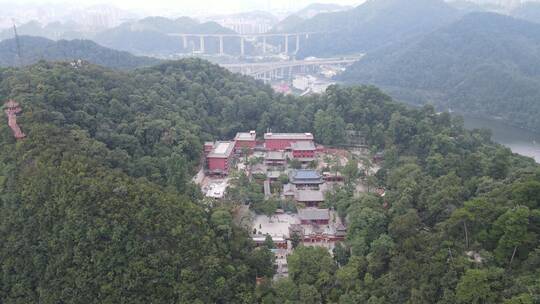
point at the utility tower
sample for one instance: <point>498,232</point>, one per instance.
<point>18,45</point>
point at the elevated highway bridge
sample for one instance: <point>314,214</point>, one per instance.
<point>247,37</point>
<point>275,70</point>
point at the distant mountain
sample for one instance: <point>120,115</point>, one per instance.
<point>371,25</point>
<point>261,16</point>
<point>150,35</point>
<point>467,6</point>
<point>146,37</point>
<point>162,24</point>
<point>290,22</point>
<point>295,20</point>
<point>485,63</point>
<point>38,48</point>
<point>314,9</point>
<point>54,30</point>
<point>529,11</point>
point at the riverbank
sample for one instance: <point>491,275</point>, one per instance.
<point>519,140</point>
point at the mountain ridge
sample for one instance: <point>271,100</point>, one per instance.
<point>474,64</point>
<point>371,25</point>
<point>39,48</point>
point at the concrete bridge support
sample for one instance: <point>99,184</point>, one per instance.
<point>201,44</point>
<point>184,41</point>
<point>221,51</point>
<point>242,46</point>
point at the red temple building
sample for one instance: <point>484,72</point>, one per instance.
<point>219,158</point>
<point>13,108</point>
<point>303,150</point>
<point>245,140</point>
<point>283,141</point>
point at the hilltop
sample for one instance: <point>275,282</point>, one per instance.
<point>371,25</point>
<point>97,203</point>
<point>485,63</point>
<point>529,11</point>
<point>149,36</point>
<point>37,48</point>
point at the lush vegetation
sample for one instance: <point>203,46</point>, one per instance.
<point>96,204</point>
<point>485,63</point>
<point>370,25</point>
<point>34,49</point>
<point>459,224</point>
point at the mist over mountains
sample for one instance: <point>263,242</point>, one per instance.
<point>296,172</point>
<point>38,48</point>
<point>484,63</point>
<point>398,37</point>
<point>372,25</point>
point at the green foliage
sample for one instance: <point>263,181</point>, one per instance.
<point>350,171</point>
<point>269,243</point>
<point>479,286</point>
<point>37,48</point>
<point>97,204</point>
<point>296,239</point>
<point>95,235</point>
<point>262,260</point>
<point>450,67</point>
<point>286,291</point>
<point>329,127</point>
<point>295,163</point>
<point>307,263</point>
<point>511,228</point>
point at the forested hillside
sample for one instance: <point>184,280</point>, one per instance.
<point>96,204</point>
<point>34,49</point>
<point>485,63</point>
<point>53,30</point>
<point>371,25</point>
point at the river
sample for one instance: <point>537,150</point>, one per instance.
<point>520,141</point>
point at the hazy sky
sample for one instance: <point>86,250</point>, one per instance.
<point>32,9</point>
<point>194,5</point>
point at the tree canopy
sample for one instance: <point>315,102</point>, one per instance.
<point>97,204</point>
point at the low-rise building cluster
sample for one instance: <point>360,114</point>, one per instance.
<point>285,165</point>
<point>278,147</point>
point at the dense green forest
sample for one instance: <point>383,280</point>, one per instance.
<point>34,49</point>
<point>485,63</point>
<point>96,204</point>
